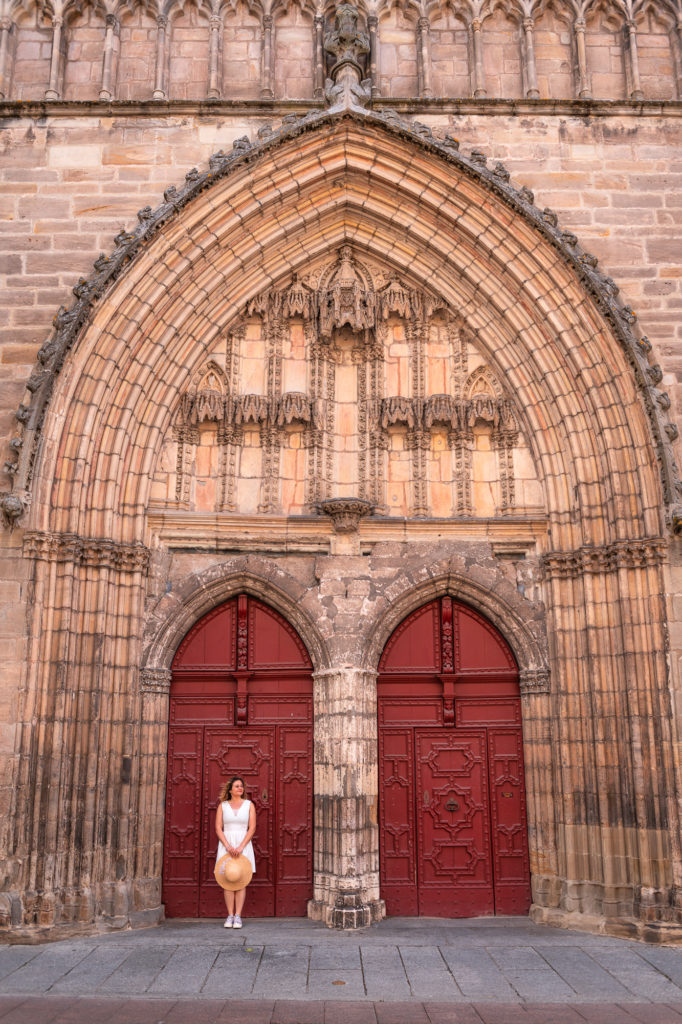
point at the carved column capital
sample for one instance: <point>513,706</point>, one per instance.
<point>534,681</point>
<point>162,21</point>
<point>267,21</point>
<point>155,680</point>
<point>345,513</point>
<point>97,552</point>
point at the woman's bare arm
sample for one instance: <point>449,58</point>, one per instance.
<point>252,828</point>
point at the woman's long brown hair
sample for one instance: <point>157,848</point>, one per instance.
<point>226,791</point>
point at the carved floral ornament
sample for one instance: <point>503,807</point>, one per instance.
<point>342,300</point>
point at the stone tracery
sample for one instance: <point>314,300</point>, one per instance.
<point>348,335</point>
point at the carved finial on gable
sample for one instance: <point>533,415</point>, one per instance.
<point>347,42</point>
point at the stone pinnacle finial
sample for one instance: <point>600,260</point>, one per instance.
<point>347,43</point>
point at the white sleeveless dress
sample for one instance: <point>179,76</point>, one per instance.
<point>235,827</point>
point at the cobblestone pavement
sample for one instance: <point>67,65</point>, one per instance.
<point>402,971</point>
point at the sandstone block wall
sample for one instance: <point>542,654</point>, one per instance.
<point>608,51</point>
<point>73,613</point>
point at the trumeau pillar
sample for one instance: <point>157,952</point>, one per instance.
<point>346,859</point>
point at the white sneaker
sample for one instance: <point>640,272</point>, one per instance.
<point>237,923</point>
<point>229,922</point>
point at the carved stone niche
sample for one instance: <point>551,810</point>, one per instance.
<point>345,513</point>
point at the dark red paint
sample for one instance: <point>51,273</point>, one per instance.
<point>241,703</point>
<point>452,801</point>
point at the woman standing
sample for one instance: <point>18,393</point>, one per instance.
<point>235,824</point>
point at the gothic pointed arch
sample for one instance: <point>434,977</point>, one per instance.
<point>341,278</point>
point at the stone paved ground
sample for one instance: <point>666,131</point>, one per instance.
<point>402,971</point>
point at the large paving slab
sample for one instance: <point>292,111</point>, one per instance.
<point>411,962</point>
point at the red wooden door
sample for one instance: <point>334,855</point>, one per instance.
<point>241,704</point>
<point>452,801</point>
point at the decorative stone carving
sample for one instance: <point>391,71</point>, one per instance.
<point>12,508</point>
<point>534,681</point>
<point>607,558</point>
<point>348,44</point>
<point>348,93</point>
<point>155,680</point>
<point>345,513</point>
<point>89,551</point>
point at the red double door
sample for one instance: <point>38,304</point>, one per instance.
<point>452,801</point>
<point>241,704</point>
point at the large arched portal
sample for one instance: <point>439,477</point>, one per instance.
<point>349,363</point>
<point>451,792</point>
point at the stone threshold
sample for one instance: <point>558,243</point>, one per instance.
<point>273,108</point>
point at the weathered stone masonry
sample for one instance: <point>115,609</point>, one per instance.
<point>347,367</point>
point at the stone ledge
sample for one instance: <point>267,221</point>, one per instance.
<point>404,104</point>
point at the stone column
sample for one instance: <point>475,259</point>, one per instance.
<point>373,30</point>
<point>480,91</point>
<point>541,796</point>
<point>160,71</point>
<point>530,71</point>
<point>318,28</point>
<point>267,70</point>
<point>630,34</point>
<point>583,85</point>
<point>424,58</point>
<point>53,90</point>
<point>214,58</point>
<point>112,24</point>
<point>676,46</point>
<point>617,821</point>
<point>80,774</point>
<point>6,26</point>
<point>346,865</point>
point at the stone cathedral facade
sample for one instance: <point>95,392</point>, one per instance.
<point>350,464</point>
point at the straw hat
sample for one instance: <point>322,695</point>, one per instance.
<point>233,873</point>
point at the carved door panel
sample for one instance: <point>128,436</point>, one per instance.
<point>183,822</point>
<point>453,824</point>
<point>398,860</point>
<point>294,864</point>
<point>241,703</point>
<point>453,834</point>
<point>508,809</point>
<point>251,753</point>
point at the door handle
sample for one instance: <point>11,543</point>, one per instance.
<point>452,805</point>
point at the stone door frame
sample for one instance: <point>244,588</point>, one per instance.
<point>346,877</point>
